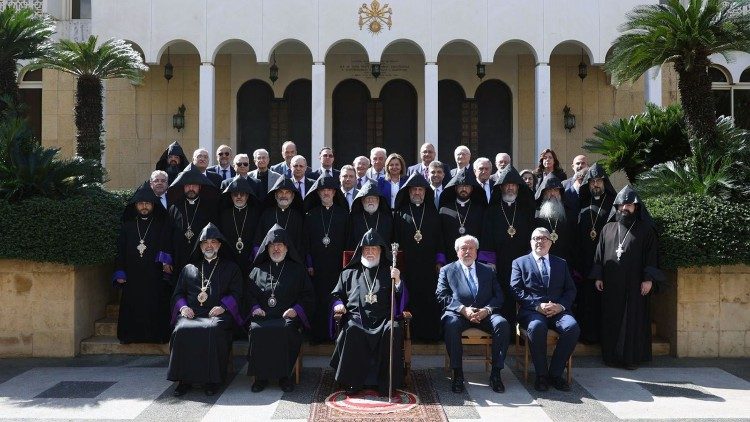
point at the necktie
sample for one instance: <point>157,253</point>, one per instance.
<point>545,273</point>
<point>472,283</point>
<point>437,198</point>
<point>425,173</point>
<point>299,186</point>
<point>164,201</point>
<point>328,172</point>
<point>224,174</point>
<point>349,198</point>
<point>359,183</point>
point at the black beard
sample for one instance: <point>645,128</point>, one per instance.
<point>626,218</point>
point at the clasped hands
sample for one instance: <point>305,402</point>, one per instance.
<point>549,309</point>
<point>187,312</point>
<point>475,315</point>
<point>288,314</point>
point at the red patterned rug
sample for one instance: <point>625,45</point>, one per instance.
<point>419,402</point>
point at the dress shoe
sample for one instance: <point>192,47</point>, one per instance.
<point>457,383</point>
<point>352,390</point>
<point>560,384</point>
<point>258,385</point>
<point>211,388</point>
<point>541,384</point>
<point>496,382</point>
<point>286,384</point>
<point>181,389</point>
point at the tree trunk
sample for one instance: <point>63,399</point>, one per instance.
<point>697,100</point>
<point>8,85</point>
<point>88,115</point>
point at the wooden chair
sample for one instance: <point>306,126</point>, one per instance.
<point>474,337</point>
<point>552,338</point>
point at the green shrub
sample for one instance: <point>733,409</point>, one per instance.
<point>78,230</point>
<point>700,230</point>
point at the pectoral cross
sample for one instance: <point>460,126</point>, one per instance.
<point>141,248</point>
<point>619,252</point>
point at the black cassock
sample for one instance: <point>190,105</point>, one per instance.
<point>240,224</point>
<point>452,214</point>
<point>200,347</point>
<point>588,309</point>
<point>361,221</point>
<point>290,219</point>
<point>325,260</point>
<point>563,246</point>
<point>419,266</point>
<point>182,215</point>
<point>144,304</point>
<point>500,248</point>
<point>362,348</point>
<point>626,323</point>
<point>275,341</point>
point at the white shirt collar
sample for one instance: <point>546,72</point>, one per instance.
<point>536,257</point>
<point>465,268</point>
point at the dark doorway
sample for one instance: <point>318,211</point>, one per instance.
<point>350,98</point>
<point>298,98</point>
<point>451,100</point>
<point>399,99</point>
<point>495,115</point>
<point>254,100</point>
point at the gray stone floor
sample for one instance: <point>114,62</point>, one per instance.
<point>134,388</point>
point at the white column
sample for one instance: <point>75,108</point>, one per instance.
<point>206,108</point>
<point>542,104</point>
<point>318,131</point>
<point>652,86</point>
<point>431,103</point>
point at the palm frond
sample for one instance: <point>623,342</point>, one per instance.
<point>24,35</point>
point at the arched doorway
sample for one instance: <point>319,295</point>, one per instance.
<point>254,100</point>
<point>350,99</point>
<point>451,99</point>
<point>399,100</point>
<point>495,118</point>
<point>298,101</point>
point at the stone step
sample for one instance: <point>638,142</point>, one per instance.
<point>109,345</point>
<point>106,327</point>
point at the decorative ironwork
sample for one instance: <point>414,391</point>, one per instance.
<point>37,5</point>
<point>375,16</point>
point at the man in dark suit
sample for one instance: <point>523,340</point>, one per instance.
<point>462,155</point>
<point>326,165</point>
<point>299,170</point>
<point>545,290</point>
<point>224,166</point>
<point>200,162</point>
<point>348,184</point>
<point>427,153</point>
<point>471,298</point>
<point>159,182</point>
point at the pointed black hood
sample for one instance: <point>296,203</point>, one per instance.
<point>370,188</point>
<point>238,184</point>
<point>276,234</point>
<point>371,238</point>
<point>284,182</point>
<point>144,193</point>
<point>191,176</point>
<point>173,149</point>
<point>210,232</point>
<point>550,181</point>
<point>416,180</point>
<point>510,175</point>
<point>461,178</point>
<point>628,195</point>
<point>312,199</point>
<point>596,171</point>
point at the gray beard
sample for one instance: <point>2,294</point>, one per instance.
<point>209,255</point>
<point>510,198</point>
<point>277,260</point>
<point>369,264</point>
<point>552,209</point>
<point>370,208</point>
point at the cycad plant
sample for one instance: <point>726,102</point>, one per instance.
<point>91,64</point>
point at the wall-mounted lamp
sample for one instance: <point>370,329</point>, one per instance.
<point>481,70</point>
<point>178,120</point>
<point>568,118</point>
<point>583,70</point>
<point>273,71</point>
<point>375,70</point>
<point>168,68</point>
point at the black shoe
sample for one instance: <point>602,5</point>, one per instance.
<point>457,382</point>
<point>496,382</point>
<point>352,390</point>
<point>258,385</point>
<point>211,388</point>
<point>181,389</point>
<point>286,384</point>
<point>560,384</point>
<point>541,384</point>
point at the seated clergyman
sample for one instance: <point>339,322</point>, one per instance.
<point>205,300</point>
<point>280,298</point>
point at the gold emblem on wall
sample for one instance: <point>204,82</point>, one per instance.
<point>375,16</point>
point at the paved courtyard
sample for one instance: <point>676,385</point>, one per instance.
<point>116,387</point>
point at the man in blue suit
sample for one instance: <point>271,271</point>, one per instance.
<point>545,290</point>
<point>471,298</point>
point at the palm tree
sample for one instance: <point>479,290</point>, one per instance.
<point>685,36</point>
<point>91,64</point>
<point>24,35</point>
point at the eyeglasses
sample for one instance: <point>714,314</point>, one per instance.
<point>225,154</point>
<point>540,238</point>
<point>242,164</point>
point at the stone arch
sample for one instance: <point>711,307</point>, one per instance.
<point>230,42</point>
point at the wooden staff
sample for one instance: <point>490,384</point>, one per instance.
<point>394,251</point>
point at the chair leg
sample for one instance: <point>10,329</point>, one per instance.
<point>526,360</point>
<point>570,369</point>
<point>446,364</point>
<point>297,368</point>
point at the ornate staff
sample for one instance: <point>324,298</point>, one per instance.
<point>394,252</point>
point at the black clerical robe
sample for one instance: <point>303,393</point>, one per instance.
<point>588,300</point>
<point>626,323</point>
<point>564,245</point>
<point>275,341</point>
<point>452,215</point>
<point>420,259</point>
<point>144,304</point>
<point>183,216</point>
<point>362,348</point>
<point>290,219</point>
<point>361,221</point>
<point>500,248</point>
<point>325,259</point>
<point>201,346</point>
<point>240,224</point>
